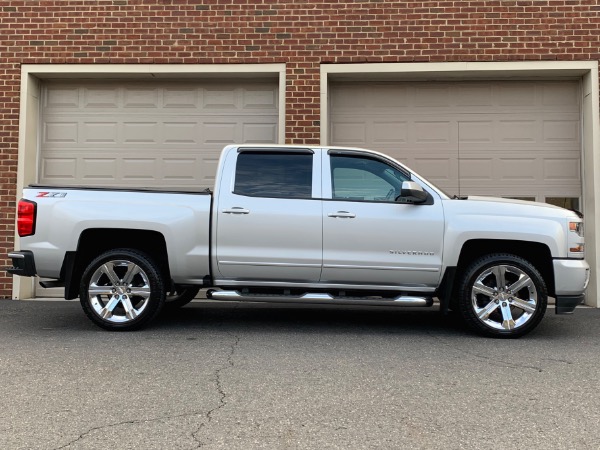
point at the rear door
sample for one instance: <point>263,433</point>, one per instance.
<point>269,216</point>
<point>369,238</point>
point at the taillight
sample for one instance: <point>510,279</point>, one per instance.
<point>26,212</point>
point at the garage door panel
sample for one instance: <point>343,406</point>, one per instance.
<point>432,96</point>
<point>254,133</point>
<point>391,132</point>
<point>563,131</point>
<point>476,170</point>
<point>61,97</point>
<point>96,132</point>
<point>180,132</point>
<point>441,170</point>
<point>165,134</point>
<point>180,98</point>
<point>433,132</point>
<point>60,133</point>
<point>180,170</point>
<point>220,132</point>
<point>516,131</point>
<point>134,97</point>
<point>99,169</point>
<point>478,94</point>
<point>58,170</point>
<point>516,94</point>
<point>562,96</point>
<point>476,132</point>
<point>140,169</point>
<point>259,98</point>
<point>562,169</point>
<point>349,133</point>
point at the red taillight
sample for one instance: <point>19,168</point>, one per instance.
<point>26,212</point>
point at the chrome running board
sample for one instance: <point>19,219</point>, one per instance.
<point>318,298</point>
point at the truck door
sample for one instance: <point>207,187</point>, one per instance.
<point>369,238</point>
<point>269,216</point>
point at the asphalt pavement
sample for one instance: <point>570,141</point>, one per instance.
<point>250,376</point>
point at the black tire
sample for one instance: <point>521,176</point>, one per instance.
<point>492,303</point>
<point>122,290</point>
<point>180,296</point>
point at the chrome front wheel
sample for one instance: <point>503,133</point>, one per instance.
<point>502,295</point>
<point>122,290</point>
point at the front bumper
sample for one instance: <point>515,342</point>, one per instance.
<point>23,263</point>
<point>571,277</point>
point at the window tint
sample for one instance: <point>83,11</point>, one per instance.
<point>270,174</point>
<point>359,178</point>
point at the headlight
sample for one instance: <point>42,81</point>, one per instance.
<point>576,227</point>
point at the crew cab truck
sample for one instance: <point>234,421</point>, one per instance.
<point>304,225</point>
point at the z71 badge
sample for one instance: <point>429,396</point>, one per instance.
<point>52,194</point>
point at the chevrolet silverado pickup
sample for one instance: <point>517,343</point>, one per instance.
<point>322,225</point>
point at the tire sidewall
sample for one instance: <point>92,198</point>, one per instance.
<point>474,270</point>
<point>156,299</point>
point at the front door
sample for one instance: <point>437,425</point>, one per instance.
<point>369,238</point>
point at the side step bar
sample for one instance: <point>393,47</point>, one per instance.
<point>318,298</point>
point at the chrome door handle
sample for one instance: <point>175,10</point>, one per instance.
<point>236,210</point>
<point>342,215</point>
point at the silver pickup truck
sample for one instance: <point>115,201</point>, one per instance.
<point>304,225</point>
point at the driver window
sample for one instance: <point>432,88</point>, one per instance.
<point>364,179</point>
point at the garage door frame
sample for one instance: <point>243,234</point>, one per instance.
<point>33,75</point>
<point>586,71</point>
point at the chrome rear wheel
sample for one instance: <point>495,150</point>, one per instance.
<point>122,290</point>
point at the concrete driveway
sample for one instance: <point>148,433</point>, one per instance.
<point>242,376</point>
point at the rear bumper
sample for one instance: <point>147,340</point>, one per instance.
<point>566,304</point>
<point>23,264</point>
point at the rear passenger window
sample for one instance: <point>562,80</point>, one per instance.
<point>273,174</point>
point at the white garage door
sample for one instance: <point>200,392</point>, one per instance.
<point>140,134</point>
<point>507,139</point>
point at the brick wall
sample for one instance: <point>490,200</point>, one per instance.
<point>301,34</point>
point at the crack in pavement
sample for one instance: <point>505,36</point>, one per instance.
<point>127,422</point>
<point>220,389</point>
<point>208,415</point>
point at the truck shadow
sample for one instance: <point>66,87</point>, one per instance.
<point>309,318</point>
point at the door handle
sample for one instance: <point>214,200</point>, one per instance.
<point>342,215</point>
<point>236,210</point>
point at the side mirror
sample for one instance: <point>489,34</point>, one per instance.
<point>412,193</point>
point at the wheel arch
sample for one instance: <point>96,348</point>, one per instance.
<point>536,253</point>
<point>95,241</point>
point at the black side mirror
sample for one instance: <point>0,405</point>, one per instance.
<point>412,193</point>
